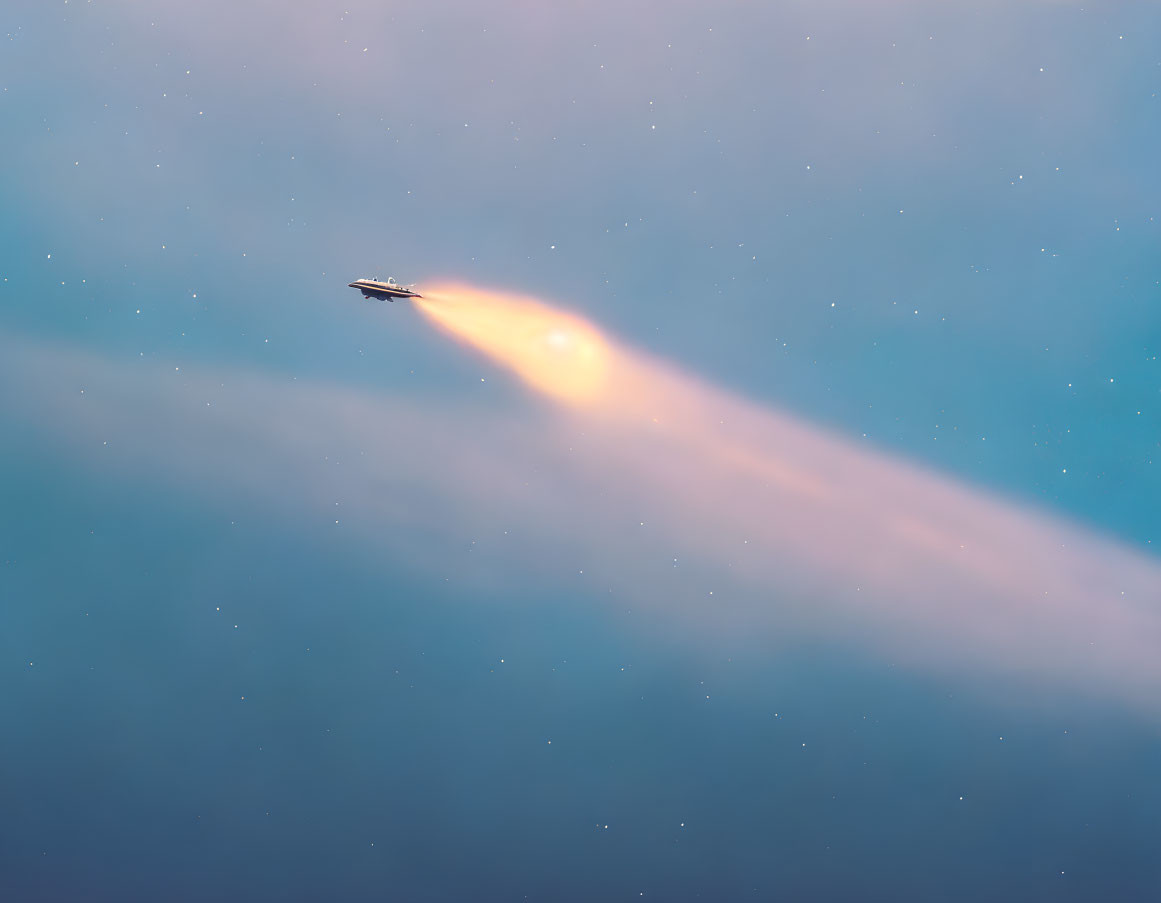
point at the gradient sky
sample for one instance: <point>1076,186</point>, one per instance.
<point>295,592</point>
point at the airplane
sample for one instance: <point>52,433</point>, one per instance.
<point>375,288</point>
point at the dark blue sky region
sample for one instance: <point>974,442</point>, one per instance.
<point>240,660</point>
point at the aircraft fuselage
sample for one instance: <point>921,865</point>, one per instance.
<point>390,290</point>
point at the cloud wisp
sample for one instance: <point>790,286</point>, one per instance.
<point>637,483</point>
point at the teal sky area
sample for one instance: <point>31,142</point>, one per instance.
<point>930,231</point>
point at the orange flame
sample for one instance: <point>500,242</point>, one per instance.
<point>555,352</point>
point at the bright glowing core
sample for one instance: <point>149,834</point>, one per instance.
<point>557,353</point>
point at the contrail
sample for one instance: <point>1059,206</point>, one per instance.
<point>851,540</point>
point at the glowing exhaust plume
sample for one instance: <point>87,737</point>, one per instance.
<point>785,505</point>
<point>555,352</point>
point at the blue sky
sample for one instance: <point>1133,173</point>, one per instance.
<point>929,231</point>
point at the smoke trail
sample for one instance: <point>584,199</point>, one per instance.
<point>851,541</point>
